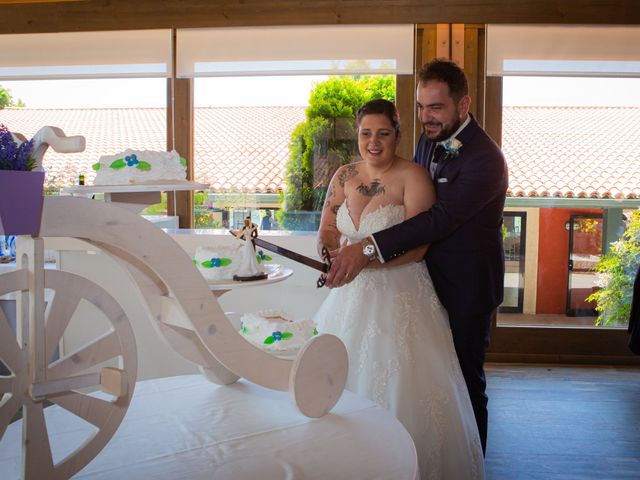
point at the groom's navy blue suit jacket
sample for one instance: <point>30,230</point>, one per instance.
<point>464,226</point>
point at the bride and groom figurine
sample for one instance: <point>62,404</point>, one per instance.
<point>250,268</point>
<point>417,331</point>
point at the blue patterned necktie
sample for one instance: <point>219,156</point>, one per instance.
<point>437,156</point>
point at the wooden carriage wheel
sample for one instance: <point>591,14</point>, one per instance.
<point>63,378</point>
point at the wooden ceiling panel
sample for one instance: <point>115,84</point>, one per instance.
<point>124,14</point>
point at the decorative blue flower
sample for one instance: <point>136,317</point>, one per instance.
<point>131,160</point>
<point>215,262</point>
<point>277,337</point>
<point>261,257</point>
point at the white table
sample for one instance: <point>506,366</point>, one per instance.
<point>187,428</point>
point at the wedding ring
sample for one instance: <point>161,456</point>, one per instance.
<point>347,276</point>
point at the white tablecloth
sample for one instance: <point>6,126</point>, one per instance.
<point>187,428</point>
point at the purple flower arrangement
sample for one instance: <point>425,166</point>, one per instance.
<point>14,156</point>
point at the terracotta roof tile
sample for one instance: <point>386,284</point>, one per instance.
<point>236,148</point>
<point>582,152</point>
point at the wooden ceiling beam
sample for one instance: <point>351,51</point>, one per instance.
<point>88,15</point>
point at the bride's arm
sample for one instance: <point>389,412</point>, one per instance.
<point>419,195</point>
<point>328,234</point>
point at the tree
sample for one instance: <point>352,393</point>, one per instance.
<point>6,99</point>
<point>324,142</point>
<point>616,271</point>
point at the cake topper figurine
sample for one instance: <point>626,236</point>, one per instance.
<point>250,268</point>
<point>249,230</point>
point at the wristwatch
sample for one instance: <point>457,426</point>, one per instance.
<point>369,249</point>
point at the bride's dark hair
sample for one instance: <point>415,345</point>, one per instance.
<point>380,106</point>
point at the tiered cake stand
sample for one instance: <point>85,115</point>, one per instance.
<point>97,381</point>
<point>135,197</point>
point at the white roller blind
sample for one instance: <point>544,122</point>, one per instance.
<point>308,50</point>
<point>134,53</point>
<point>563,50</point>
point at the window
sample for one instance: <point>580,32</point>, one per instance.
<point>90,84</point>
<point>570,109</point>
<point>264,152</point>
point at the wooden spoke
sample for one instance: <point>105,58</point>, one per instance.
<point>58,316</point>
<point>101,349</point>
<point>93,410</point>
<point>13,281</point>
<point>7,411</point>
<point>63,385</point>
<point>37,451</point>
<point>10,352</point>
<point>6,384</point>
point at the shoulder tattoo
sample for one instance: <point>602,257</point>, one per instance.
<point>331,192</point>
<point>347,174</point>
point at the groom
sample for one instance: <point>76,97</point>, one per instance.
<point>464,226</point>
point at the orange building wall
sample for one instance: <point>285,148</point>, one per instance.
<point>553,258</point>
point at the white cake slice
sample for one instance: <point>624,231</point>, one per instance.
<point>273,332</point>
<point>133,167</point>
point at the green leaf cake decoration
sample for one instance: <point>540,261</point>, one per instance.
<point>216,262</point>
<point>262,257</point>
<point>277,337</point>
<point>118,164</point>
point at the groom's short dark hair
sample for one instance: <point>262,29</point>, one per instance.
<point>448,72</point>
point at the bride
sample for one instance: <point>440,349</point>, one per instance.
<point>401,352</point>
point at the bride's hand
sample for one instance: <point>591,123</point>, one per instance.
<point>347,264</point>
<point>334,253</point>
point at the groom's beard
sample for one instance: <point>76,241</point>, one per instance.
<point>445,132</point>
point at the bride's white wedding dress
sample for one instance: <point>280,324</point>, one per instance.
<point>401,354</point>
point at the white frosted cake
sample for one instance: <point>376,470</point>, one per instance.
<point>133,167</point>
<point>219,263</point>
<point>272,331</point>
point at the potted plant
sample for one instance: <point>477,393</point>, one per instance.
<point>20,187</point>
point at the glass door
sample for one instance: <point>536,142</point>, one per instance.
<point>585,248</point>
<point>514,239</point>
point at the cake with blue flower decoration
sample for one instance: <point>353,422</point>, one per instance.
<point>272,331</point>
<point>133,167</point>
<point>219,263</point>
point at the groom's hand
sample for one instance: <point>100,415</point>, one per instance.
<point>347,264</point>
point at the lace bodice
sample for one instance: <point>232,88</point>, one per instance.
<point>383,217</point>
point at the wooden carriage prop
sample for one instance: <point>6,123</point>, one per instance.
<point>96,382</point>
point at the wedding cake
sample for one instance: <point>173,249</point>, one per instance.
<point>219,263</point>
<point>133,167</point>
<point>237,262</point>
<point>272,331</point>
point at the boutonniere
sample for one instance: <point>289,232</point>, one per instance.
<point>452,147</point>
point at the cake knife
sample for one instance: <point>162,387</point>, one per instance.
<point>297,257</point>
